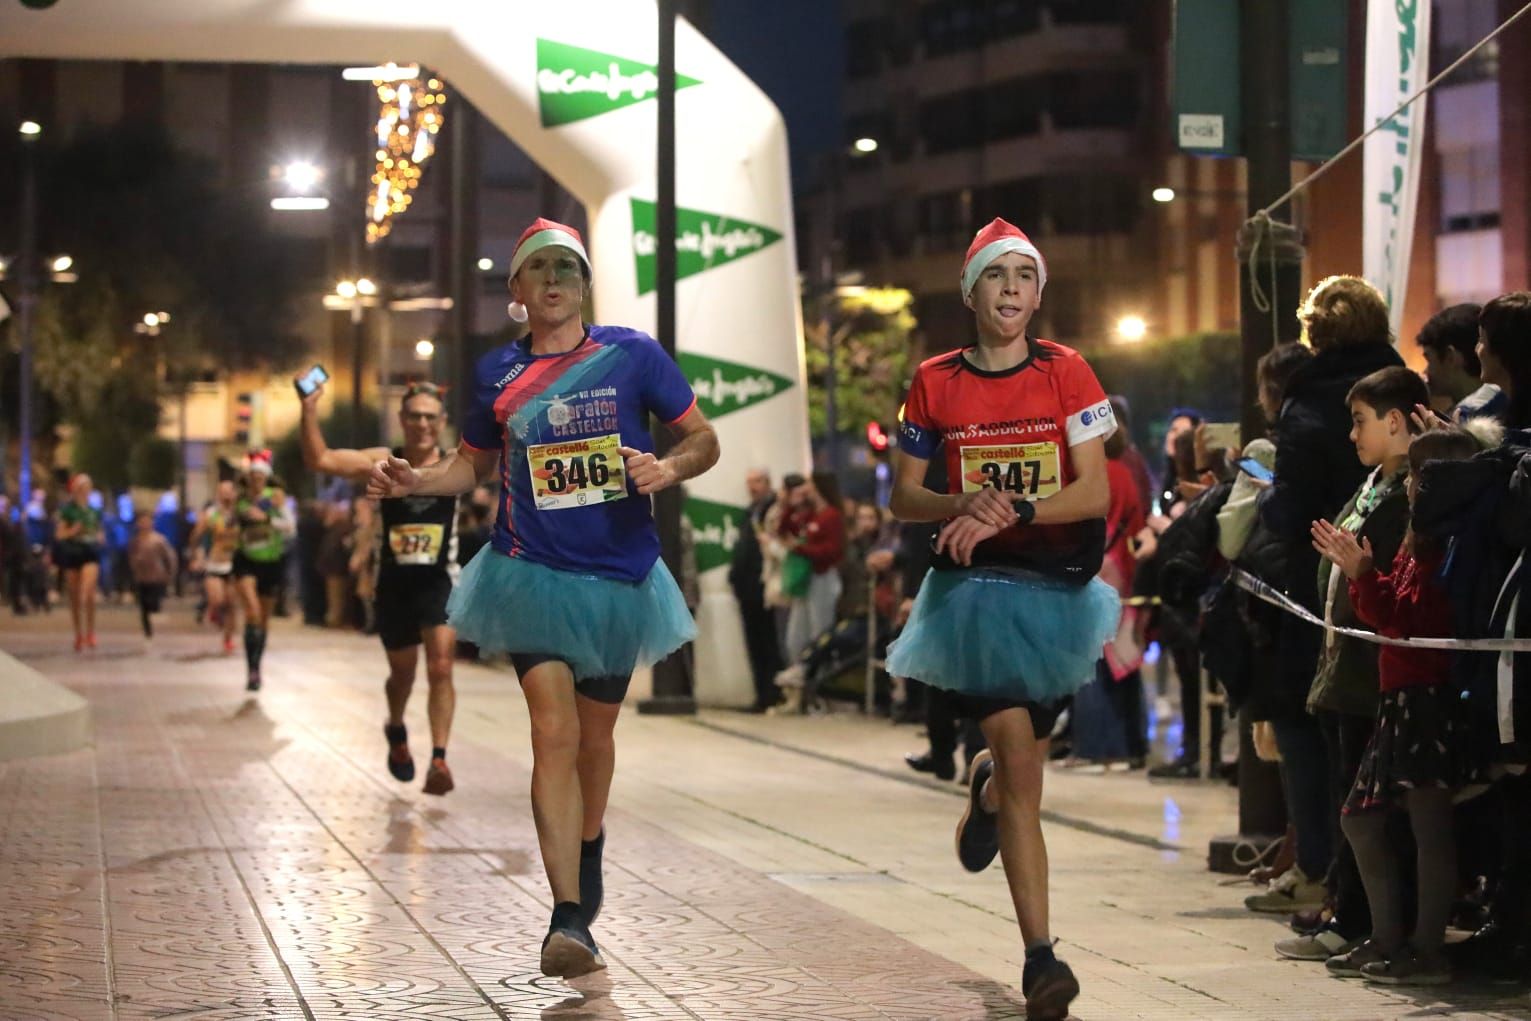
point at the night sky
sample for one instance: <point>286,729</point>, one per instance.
<point>792,49</point>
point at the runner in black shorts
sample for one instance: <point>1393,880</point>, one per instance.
<point>417,564</point>
<point>1011,618</point>
<point>263,531</point>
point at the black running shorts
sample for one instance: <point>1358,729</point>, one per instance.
<point>408,602</point>
<point>267,574</point>
<point>610,690</point>
<point>980,707</point>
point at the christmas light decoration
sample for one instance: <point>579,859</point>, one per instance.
<point>407,124</point>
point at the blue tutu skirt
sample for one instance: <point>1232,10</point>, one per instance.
<point>1005,634</point>
<point>599,626</point>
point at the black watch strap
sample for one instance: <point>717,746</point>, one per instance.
<point>1026,510</point>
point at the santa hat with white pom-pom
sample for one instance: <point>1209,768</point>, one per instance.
<point>544,233</point>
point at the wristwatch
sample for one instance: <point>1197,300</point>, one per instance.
<point>1026,511</point>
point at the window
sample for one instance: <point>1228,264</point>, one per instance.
<point>865,44</point>
<point>1085,12</point>
<point>1091,204</point>
<point>952,122</point>
<point>1014,17</point>
<point>949,26</point>
<point>1457,26</point>
<point>946,220</point>
<point>1470,188</point>
<point>862,234</point>
<point>1018,200</point>
<point>1097,99</point>
<point>1014,108</point>
<point>410,264</point>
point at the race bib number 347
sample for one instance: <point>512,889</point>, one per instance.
<point>1025,469</point>
<point>577,473</point>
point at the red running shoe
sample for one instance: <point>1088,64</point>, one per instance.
<point>438,779</point>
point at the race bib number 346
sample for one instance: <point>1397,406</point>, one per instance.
<point>1025,469</point>
<point>577,473</point>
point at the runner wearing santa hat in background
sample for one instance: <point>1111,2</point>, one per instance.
<point>571,585</point>
<point>264,528</point>
<point>1011,618</point>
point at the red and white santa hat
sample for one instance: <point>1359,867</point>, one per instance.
<point>260,462</point>
<point>544,233</point>
<point>998,238</point>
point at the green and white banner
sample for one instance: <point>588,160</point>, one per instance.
<point>715,529</point>
<point>1397,65</point>
<point>574,83</point>
<point>723,387</point>
<point>703,241</point>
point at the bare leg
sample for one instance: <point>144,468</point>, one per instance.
<point>1015,793</point>
<point>72,588</point>
<point>440,647</point>
<point>557,807</point>
<point>401,681</point>
<point>597,760</point>
<point>90,576</point>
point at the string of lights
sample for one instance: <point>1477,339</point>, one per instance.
<point>411,114</point>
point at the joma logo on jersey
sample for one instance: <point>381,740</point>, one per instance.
<point>510,376</point>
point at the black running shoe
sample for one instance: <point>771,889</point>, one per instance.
<point>569,950</point>
<point>400,763</point>
<point>252,683</point>
<point>1049,992</point>
<point>592,887</point>
<point>978,832</point>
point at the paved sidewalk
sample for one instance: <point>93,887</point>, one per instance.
<point>223,856</point>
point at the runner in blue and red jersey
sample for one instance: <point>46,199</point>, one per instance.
<point>1011,619</point>
<point>571,585</point>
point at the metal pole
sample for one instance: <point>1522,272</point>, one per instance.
<point>27,280</point>
<point>463,125</point>
<point>1270,262</point>
<point>672,679</point>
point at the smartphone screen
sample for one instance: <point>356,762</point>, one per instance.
<point>311,380</point>
<point>1254,469</point>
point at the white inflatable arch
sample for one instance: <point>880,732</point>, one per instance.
<point>573,84</point>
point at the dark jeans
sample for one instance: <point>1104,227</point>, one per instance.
<point>1305,781</point>
<point>763,648</point>
<point>1345,738</point>
<point>1127,699</point>
<point>1188,671</point>
<point>150,597</point>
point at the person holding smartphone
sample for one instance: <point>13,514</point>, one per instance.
<point>571,584</point>
<point>416,557</point>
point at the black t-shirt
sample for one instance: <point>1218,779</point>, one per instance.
<point>418,532</point>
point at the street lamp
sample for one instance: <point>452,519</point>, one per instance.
<point>865,146</point>
<point>301,175</point>
<point>30,129</point>
<point>1131,328</point>
<point>346,289</point>
<point>1164,194</point>
<point>425,349</point>
<point>485,264</point>
<point>366,287</point>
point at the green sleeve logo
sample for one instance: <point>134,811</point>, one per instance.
<point>574,83</point>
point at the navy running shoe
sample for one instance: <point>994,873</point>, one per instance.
<point>569,950</point>
<point>978,832</point>
<point>592,887</point>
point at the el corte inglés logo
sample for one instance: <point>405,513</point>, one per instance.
<point>722,387</point>
<point>703,241</point>
<point>574,83</point>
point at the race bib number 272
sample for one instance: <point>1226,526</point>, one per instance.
<point>577,473</point>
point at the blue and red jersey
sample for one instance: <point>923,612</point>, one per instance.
<point>557,421</point>
<point>1013,430</point>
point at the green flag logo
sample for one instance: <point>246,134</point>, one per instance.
<point>722,387</point>
<point>574,83</point>
<point>703,241</point>
<point>715,529</point>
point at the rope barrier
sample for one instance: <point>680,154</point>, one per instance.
<point>1260,590</point>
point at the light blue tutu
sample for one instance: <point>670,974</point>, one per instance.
<point>599,626</point>
<point>1005,634</point>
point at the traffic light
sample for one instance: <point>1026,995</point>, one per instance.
<point>244,408</point>
<point>877,437</point>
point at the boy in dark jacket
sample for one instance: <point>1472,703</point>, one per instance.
<point>1344,693</point>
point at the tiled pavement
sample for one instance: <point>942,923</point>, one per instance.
<point>218,856</point>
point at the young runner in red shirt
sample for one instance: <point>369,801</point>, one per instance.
<point>1011,618</point>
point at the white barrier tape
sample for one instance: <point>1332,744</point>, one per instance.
<point>1259,589</point>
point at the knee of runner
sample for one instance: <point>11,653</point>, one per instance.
<point>556,738</point>
<point>438,669</point>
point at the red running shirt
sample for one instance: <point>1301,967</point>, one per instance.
<point>1013,430</point>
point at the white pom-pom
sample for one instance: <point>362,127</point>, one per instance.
<point>517,311</point>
